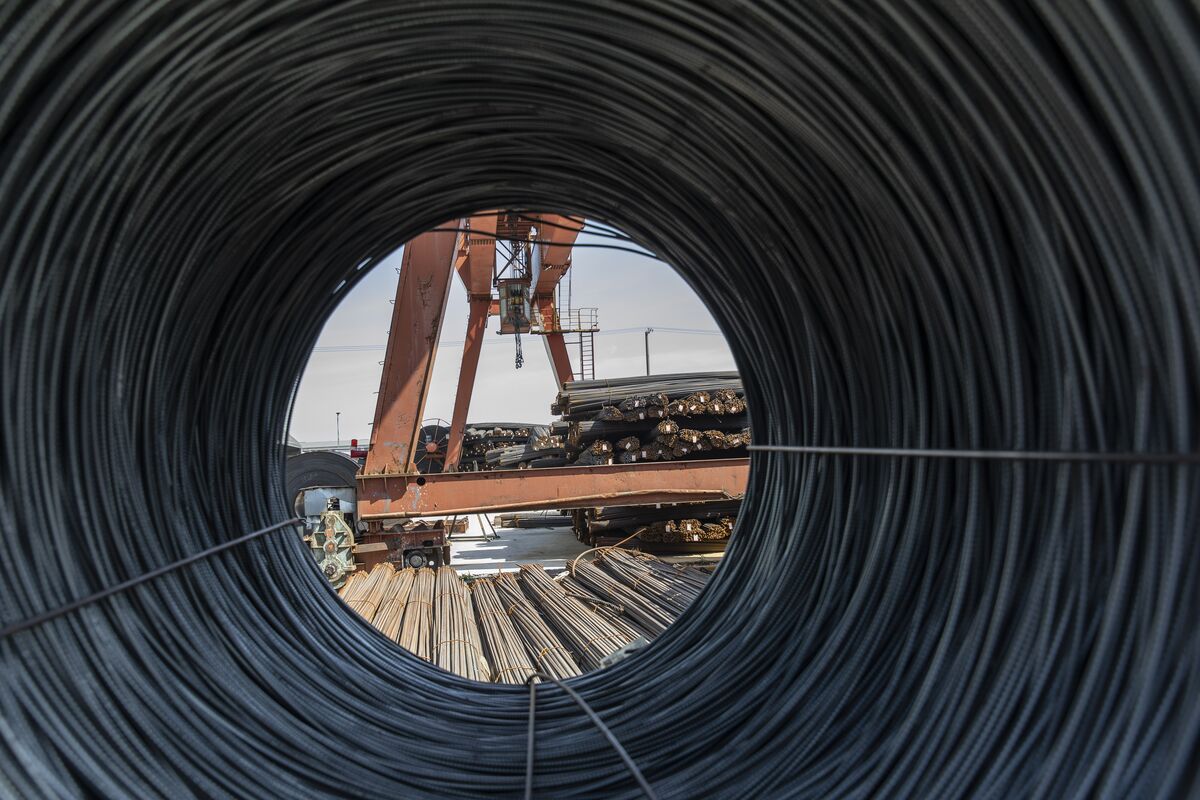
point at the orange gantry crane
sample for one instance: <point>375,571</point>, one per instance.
<point>536,250</point>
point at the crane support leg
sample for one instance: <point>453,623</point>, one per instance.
<point>476,327</point>
<point>556,345</point>
<point>425,274</point>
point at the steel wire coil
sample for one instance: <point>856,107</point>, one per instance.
<point>922,224</point>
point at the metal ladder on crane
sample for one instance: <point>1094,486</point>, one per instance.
<point>581,324</point>
<point>587,356</point>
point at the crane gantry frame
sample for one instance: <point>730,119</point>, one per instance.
<point>389,486</point>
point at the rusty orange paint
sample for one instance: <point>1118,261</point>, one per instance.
<point>558,237</point>
<point>388,496</point>
<point>477,267</point>
<point>425,274</point>
<point>476,327</point>
<point>556,345</point>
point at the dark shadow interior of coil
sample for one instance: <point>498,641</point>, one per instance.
<point>920,224</point>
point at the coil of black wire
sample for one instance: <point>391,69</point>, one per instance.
<point>921,224</point>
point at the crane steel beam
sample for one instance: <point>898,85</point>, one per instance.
<point>398,496</point>
<point>476,327</point>
<point>425,274</point>
<point>556,345</point>
<point>475,268</point>
<point>559,236</point>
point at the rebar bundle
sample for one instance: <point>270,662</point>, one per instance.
<point>599,452</point>
<point>583,399</point>
<point>631,517</point>
<point>611,612</point>
<point>350,587</point>
<point>651,617</point>
<point>368,594</point>
<point>456,644</point>
<point>589,636</point>
<point>552,614</point>
<point>416,629</point>
<point>502,643</point>
<point>662,588</point>
<point>516,455</point>
<point>394,603</point>
<point>546,652</point>
<point>663,528</point>
<point>483,438</point>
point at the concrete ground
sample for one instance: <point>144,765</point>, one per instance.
<point>550,547</point>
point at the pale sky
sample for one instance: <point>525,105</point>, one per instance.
<point>630,291</point>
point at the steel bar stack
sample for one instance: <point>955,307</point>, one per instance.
<point>649,615</point>
<point>367,594</point>
<point>502,643</point>
<point>480,438</point>
<point>581,400</point>
<point>590,637</point>
<point>676,529</point>
<point>609,611</point>
<point>655,586</point>
<point>350,587</point>
<point>457,647</point>
<point>506,628</point>
<point>655,418</point>
<point>522,455</point>
<point>416,630</point>
<point>391,609</point>
<point>531,519</point>
<point>548,654</point>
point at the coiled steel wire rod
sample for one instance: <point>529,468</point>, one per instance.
<point>923,224</point>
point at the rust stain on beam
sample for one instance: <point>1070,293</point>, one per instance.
<point>398,496</point>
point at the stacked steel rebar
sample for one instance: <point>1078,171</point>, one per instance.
<point>589,635</point>
<point>480,438</point>
<point>518,455</point>
<point>366,595</point>
<point>695,527</point>
<point>502,643</point>
<point>652,419</point>
<point>611,612</point>
<point>547,652</point>
<point>531,519</point>
<point>508,627</point>
<point>583,399</point>
<point>350,586</point>
<point>658,587</point>
<point>646,613</point>
<point>457,647</point>
<point>391,609</point>
<point>416,629</point>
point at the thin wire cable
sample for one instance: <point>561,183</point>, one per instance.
<point>531,736</point>
<point>125,586</point>
<point>647,790</point>
<point>985,455</point>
